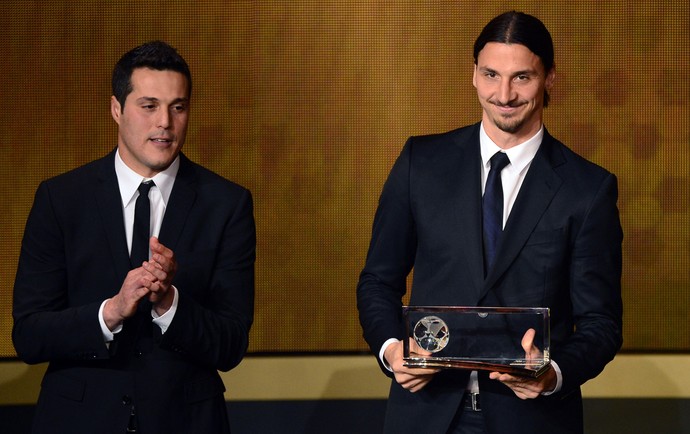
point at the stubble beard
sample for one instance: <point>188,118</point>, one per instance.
<point>510,126</point>
<point>511,123</point>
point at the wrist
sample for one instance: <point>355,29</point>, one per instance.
<point>388,350</point>
<point>110,317</point>
<point>164,304</point>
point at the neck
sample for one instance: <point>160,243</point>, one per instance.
<point>506,139</point>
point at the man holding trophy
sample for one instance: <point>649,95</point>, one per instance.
<point>497,219</point>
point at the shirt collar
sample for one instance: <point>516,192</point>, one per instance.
<point>129,180</point>
<point>520,155</point>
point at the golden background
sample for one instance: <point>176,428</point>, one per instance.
<point>308,103</point>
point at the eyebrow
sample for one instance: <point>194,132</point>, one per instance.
<point>154,99</point>
<point>514,74</point>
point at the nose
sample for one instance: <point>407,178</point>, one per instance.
<point>505,92</point>
<point>164,117</point>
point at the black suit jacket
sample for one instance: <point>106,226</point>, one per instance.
<point>74,255</point>
<point>561,248</point>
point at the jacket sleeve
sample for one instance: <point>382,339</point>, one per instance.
<point>382,282</point>
<point>46,327</point>
<point>595,291</point>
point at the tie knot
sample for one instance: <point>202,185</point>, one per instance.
<point>499,161</point>
<point>144,187</point>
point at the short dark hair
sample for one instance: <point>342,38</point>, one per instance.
<point>519,28</point>
<point>156,55</point>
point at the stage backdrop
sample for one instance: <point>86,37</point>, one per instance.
<point>308,103</point>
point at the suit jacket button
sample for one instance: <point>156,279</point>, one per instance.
<point>126,400</point>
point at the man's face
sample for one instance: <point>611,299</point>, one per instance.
<point>510,82</point>
<point>153,124</point>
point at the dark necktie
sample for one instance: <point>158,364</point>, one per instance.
<point>492,208</point>
<point>142,223</point>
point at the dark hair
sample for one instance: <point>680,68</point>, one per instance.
<point>154,55</point>
<point>519,28</point>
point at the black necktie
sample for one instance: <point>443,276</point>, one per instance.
<point>142,223</point>
<point>492,207</point>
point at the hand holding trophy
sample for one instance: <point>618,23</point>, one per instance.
<point>512,340</point>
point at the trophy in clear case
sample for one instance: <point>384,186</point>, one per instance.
<point>512,340</point>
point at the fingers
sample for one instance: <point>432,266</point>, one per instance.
<point>415,348</point>
<point>524,388</point>
<point>162,268</point>
<point>412,379</point>
<point>153,280</point>
<point>161,256</point>
<point>528,388</point>
<point>155,271</point>
<point>531,351</point>
<point>164,254</point>
<point>162,264</point>
<point>413,383</point>
<point>137,283</point>
<point>124,304</point>
<point>528,340</point>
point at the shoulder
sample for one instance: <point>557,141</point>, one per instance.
<point>568,163</point>
<point>82,178</point>
<point>457,137</point>
<point>435,147</point>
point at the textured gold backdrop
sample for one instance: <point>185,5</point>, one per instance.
<point>307,103</point>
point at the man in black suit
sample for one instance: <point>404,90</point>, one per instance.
<point>135,341</point>
<point>557,245</point>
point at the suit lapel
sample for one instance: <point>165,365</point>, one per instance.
<point>181,200</point>
<point>466,175</point>
<point>538,189</point>
<point>109,202</point>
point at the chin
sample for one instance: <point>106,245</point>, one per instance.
<point>162,159</point>
<point>159,165</point>
<point>510,128</point>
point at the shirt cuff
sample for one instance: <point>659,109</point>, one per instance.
<point>559,379</point>
<point>383,351</point>
<point>108,335</point>
<point>163,321</point>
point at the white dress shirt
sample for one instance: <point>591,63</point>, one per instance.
<point>159,195</point>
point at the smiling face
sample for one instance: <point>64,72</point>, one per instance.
<point>153,124</point>
<point>510,82</point>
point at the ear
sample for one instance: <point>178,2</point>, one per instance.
<point>474,76</point>
<point>115,109</point>
<point>550,78</point>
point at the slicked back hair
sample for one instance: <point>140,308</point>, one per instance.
<point>156,55</point>
<point>519,28</point>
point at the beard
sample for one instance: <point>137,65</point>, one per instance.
<point>510,124</point>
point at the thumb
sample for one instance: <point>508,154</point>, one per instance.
<point>528,342</point>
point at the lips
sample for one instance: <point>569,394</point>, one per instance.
<point>162,140</point>
<point>507,109</point>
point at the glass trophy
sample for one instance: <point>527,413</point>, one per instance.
<point>512,340</point>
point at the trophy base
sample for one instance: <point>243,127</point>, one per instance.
<point>522,368</point>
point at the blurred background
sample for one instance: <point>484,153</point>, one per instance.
<point>308,103</point>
